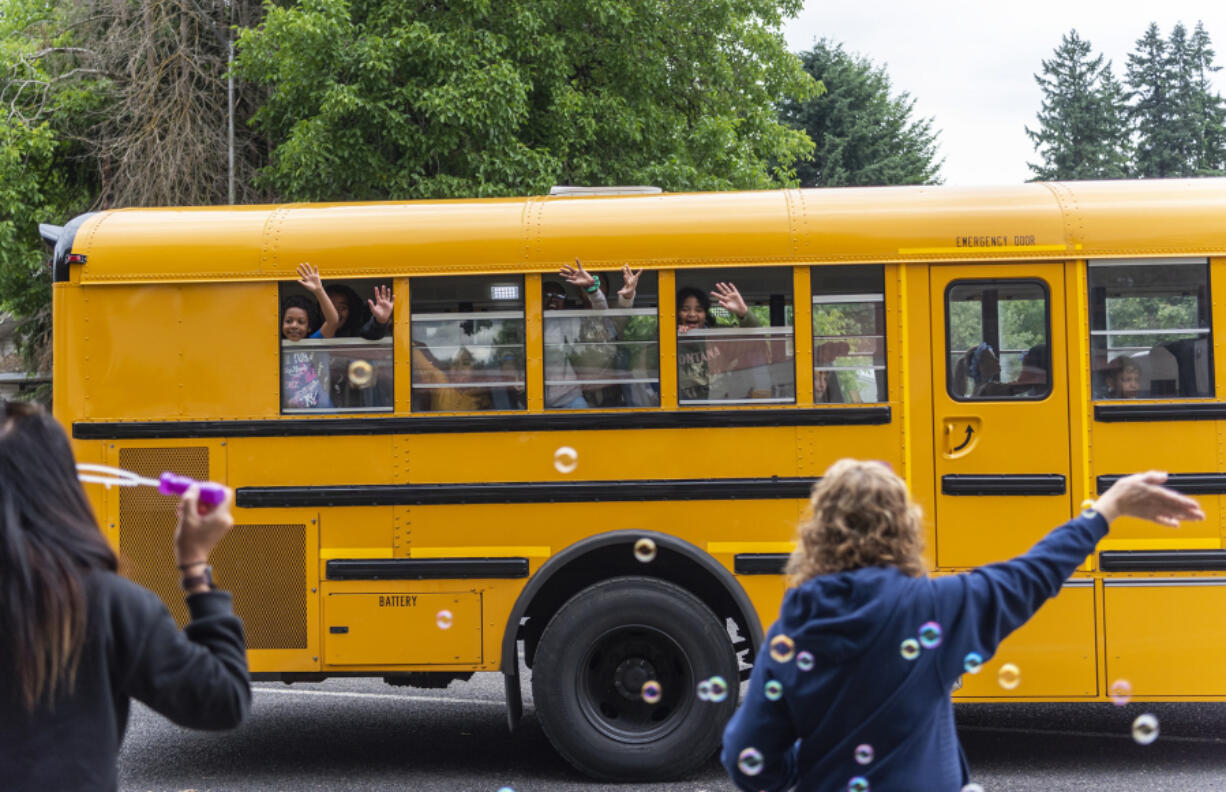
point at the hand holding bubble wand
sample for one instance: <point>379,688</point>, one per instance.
<point>211,494</point>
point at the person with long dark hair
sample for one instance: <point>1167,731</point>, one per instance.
<point>78,642</point>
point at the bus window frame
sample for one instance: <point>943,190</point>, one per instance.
<point>950,365</point>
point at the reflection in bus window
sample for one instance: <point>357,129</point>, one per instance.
<point>734,337</point>
<point>467,344</point>
<point>1150,335</point>
<point>351,372</point>
<point>997,336</point>
<point>597,355</point>
<point>849,334</point>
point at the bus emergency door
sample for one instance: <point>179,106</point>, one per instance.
<point>1001,424</point>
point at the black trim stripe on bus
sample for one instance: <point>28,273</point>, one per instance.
<point>1190,411</point>
<point>1187,483</point>
<point>425,568</point>
<point>1162,560</point>
<point>525,492</point>
<point>1003,484</point>
<point>434,424</point>
<point>759,563</point>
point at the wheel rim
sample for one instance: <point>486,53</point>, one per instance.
<point>610,682</point>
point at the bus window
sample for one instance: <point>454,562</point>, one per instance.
<point>468,343</point>
<point>1150,331</point>
<point>728,357</point>
<point>849,334</point>
<point>998,340</point>
<point>350,372</point>
<point>601,348</point>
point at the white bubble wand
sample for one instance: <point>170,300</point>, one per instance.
<point>168,484</point>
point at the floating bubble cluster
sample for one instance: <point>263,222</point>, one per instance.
<point>1121,692</point>
<point>782,649</point>
<point>973,663</point>
<point>858,784</point>
<point>718,689</point>
<point>774,690</point>
<point>910,649</point>
<point>1145,729</point>
<point>565,460</point>
<point>645,550</point>
<point>864,754</point>
<point>804,661</point>
<point>1009,676</point>
<point>750,761</point>
<point>651,691</point>
<point>930,635</point>
<point>443,619</point>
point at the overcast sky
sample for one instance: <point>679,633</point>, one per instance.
<point>970,64</point>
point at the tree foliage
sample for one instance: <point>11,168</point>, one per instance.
<point>1083,127</point>
<point>864,135</point>
<point>404,100</point>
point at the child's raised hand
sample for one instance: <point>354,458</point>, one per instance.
<point>308,276</point>
<point>630,281</point>
<point>730,299</point>
<point>381,306</point>
<point>576,275</point>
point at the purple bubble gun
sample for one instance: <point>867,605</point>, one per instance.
<point>169,484</point>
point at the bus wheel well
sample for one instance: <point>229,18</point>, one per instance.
<point>611,561</point>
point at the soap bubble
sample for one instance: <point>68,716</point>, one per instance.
<point>973,663</point>
<point>774,690</point>
<point>505,789</point>
<point>1009,676</point>
<point>704,690</point>
<point>782,648</point>
<point>864,754</point>
<point>1121,692</point>
<point>566,459</point>
<point>804,661</point>
<point>750,761</point>
<point>651,691</point>
<point>645,550</point>
<point>930,635</point>
<point>972,788</point>
<point>910,649</point>
<point>717,689</point>
<point>858,784</point>
<point>1145,729</point>
<point>443,620</point>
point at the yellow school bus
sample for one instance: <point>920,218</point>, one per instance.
<point>600,483</point>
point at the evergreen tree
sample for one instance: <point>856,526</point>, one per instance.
<point>1082,131</point>
<point>1206,108</point>
<point>863,134</point>
<point>1160,146</point>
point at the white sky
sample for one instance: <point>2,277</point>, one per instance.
<point>969,64</point>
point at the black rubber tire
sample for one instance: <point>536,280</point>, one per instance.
<point>587,680</point>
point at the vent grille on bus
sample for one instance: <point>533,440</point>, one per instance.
<point>264,566</point>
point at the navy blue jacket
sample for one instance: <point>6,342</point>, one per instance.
<point>861,690</point>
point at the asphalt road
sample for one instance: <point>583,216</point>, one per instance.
<point>364,735</point>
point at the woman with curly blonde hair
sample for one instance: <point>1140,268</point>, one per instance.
<point>853,682</point>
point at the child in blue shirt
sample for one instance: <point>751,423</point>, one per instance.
<point>867,647</point>
<point>304,372</point>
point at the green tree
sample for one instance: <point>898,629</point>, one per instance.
<point>864,135</point>
<point>1205,107</point>
<point>373,99</point>
<point>1083,127</point>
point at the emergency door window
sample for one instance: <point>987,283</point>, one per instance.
<point>997,340</point>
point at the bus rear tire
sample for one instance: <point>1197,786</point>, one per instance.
<point>593,659</point>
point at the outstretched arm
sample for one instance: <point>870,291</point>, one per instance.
<point>730,299</point>
<point>380,314</point>
<point>979,609</point>
<point>588,284</point>
<point>308,276</point>
<point>630,285</point>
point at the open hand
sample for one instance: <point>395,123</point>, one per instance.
<point>308,276</point>
<point>730,299</point>
<point>630,282</point>
<point>381,306</point>
<point>576,275</point>
<point>1142,495</point>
